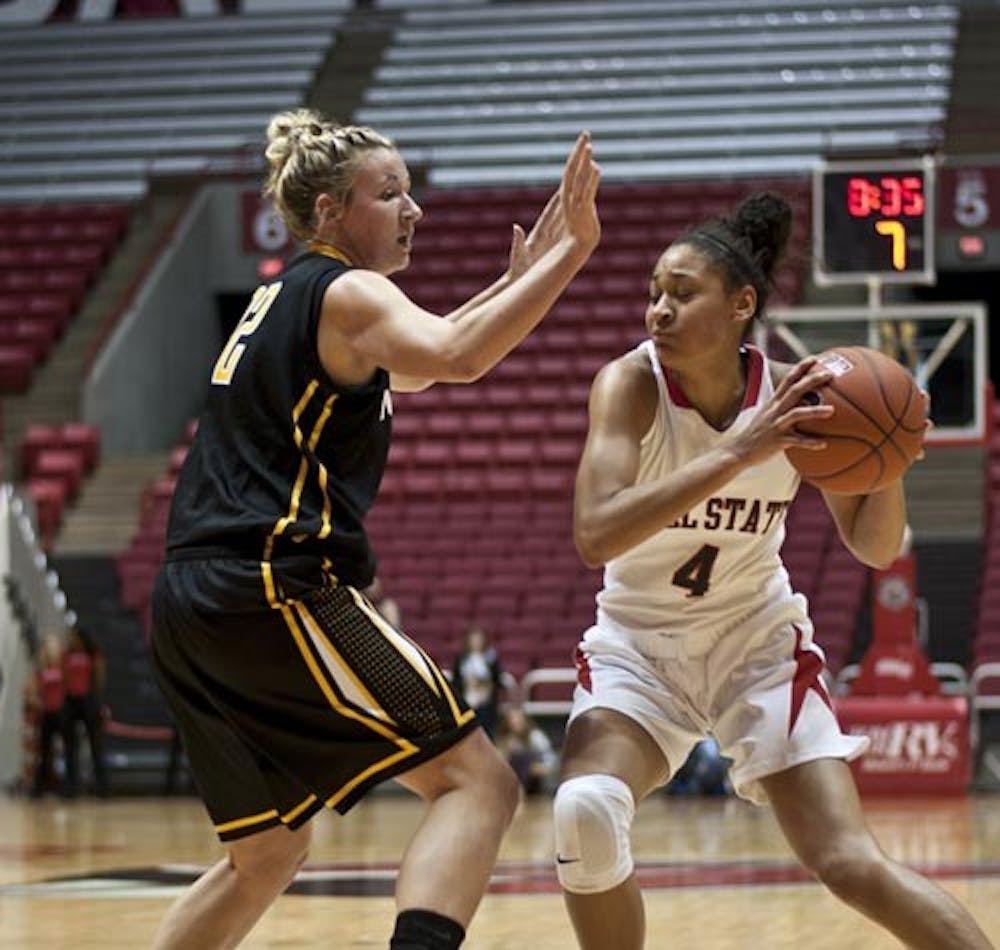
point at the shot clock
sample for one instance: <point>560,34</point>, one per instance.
<point>874,220</point>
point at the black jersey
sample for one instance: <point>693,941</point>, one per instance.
<point>285,462</point>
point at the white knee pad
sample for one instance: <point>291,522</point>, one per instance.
<point>593,819</point>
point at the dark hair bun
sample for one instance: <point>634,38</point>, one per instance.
<point>764,221</point>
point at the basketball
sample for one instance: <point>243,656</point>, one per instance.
<point>877,427</point>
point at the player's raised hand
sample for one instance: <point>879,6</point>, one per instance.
<point>570,213</point>
<point>578,195</point>
<point>545,233</point>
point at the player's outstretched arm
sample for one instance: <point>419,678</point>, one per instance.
<point>525,250</point>
<point>366,317</point>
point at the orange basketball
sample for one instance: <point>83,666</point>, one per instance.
<point>877,427</point>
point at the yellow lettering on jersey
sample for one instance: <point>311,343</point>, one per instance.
<point>252,318</point>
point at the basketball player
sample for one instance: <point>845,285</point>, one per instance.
<point>290,691</point>
<point>681,494</point>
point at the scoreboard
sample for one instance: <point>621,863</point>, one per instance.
<point>968,218</point>
<point>874,220</point>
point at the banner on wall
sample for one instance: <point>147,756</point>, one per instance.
<point>918,745</point>
<point>264,230</point>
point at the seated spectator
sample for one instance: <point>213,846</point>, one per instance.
<point>84,667</point>
<point>527,748</point>
<point>384,604</point>
<point>47,696</point>
<point>477,677</point>
<point>706,772</point>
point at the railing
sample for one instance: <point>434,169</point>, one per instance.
<point>31,605</point>
<point>952,676</point>
<point>546,707</point>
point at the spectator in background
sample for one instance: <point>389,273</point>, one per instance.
<point>527,748</point>
<point>47,694</point>
<point>477,678</point>
<point>387,606</point>
<point>705,772</point>
<point>84,668</point>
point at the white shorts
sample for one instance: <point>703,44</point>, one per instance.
<point>758,690</point>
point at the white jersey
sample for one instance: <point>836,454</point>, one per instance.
<point>719,564</point>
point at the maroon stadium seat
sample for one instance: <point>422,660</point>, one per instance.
<point>64,465</point>
<point>49,496</point>
<point>82,438</point>
<point>17,362</point>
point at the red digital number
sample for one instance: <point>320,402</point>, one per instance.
<point>913,196</point>
<point>892,197</point>
<point>862,197</point>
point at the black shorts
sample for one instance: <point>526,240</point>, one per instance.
<point>284,710</point>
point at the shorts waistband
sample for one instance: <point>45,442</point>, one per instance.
<point>662,644</point>
<point>673,646</point>
<point>208,553</point>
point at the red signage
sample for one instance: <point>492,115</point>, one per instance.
<point>895,664</point>
<point>917,745</point>
<point>264,230</point>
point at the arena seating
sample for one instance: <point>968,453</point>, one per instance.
<point>985,679</point>
<point>492,93</point>
<point>54,461</point>
<point>49,257</point>
<point>474,522</point>
<point>485,472</point>
<point>986,646</point>
<point>138,564</point>
<point>138,97</point>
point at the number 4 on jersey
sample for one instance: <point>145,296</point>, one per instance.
<point>693,575</point>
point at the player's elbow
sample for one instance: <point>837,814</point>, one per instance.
<point>461,362</point>
<point>874,554</point>
<point>590,546</point>
<point>880,560</point>
<point>590,557</point>
<point>877,549</point>
<point>456,366</point>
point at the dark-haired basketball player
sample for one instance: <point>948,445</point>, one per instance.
<point>681,495</point>
<point>289,689</point>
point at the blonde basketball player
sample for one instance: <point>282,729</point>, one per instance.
<point>681,495</point>
<point>290,691</point>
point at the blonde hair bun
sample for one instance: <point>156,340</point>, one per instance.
<point>303,128</point>
<point>309,154</point>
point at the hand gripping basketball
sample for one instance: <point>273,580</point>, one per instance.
<point>877,428</point>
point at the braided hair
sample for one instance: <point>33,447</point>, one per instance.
<point>311,155</point>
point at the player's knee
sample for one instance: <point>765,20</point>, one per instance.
<point>849,870</point>
<point>271,857</point>
<point>491,781</point>
<point>504,785</point>
<point>593,821</point>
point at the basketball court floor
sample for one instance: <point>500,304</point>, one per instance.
<point>718,876</point>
